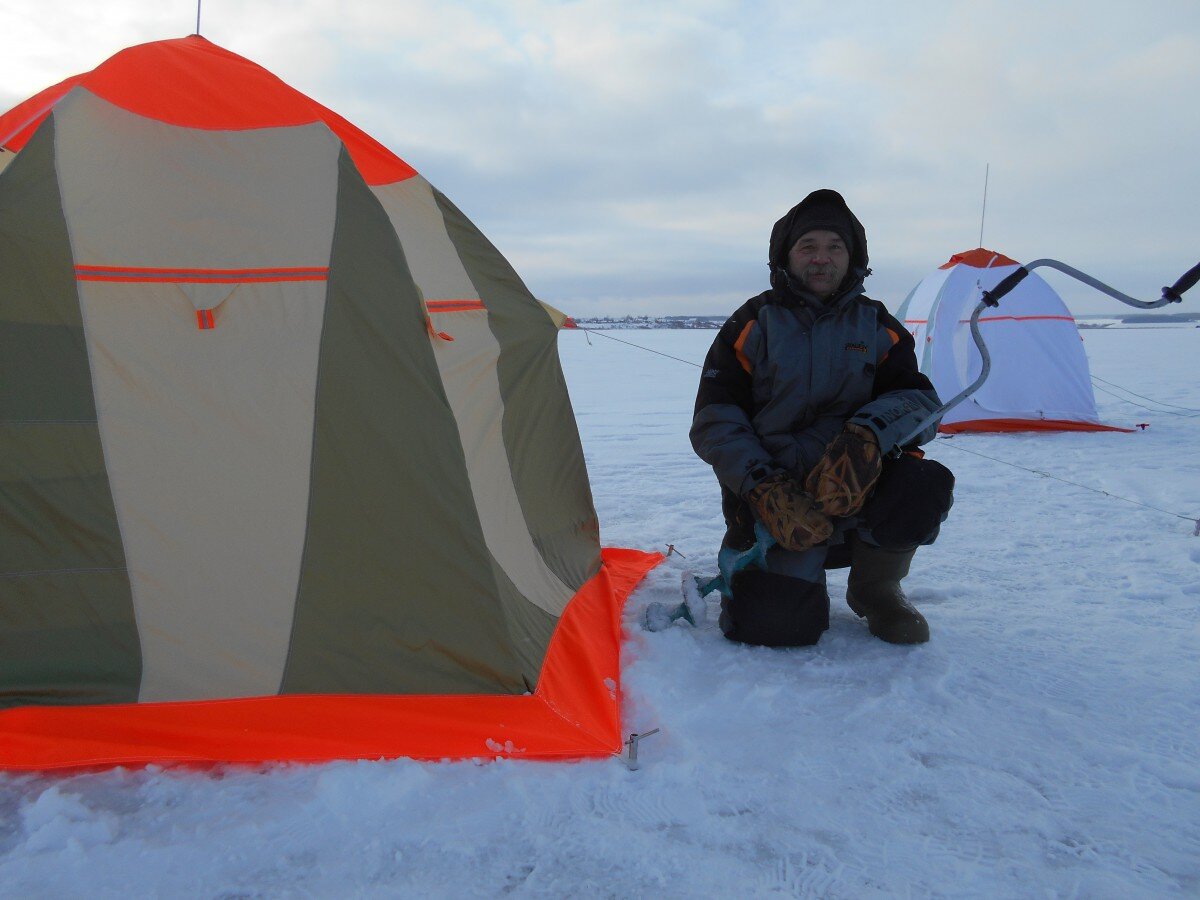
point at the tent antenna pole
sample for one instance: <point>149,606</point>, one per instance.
<point>983,215</point>
<point>198,2</point>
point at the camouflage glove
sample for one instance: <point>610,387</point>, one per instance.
<point>789,514</point>
<point>842,479</point>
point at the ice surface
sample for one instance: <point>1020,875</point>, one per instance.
<point>1046,742</point>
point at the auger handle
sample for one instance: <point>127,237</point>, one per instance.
<point>1188,279</point>
<point>1010,281</point>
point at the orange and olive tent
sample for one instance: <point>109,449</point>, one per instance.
<point>288,468</point>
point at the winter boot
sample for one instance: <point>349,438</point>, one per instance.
<point>873,591</point>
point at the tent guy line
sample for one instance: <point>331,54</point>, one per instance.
<point>1186,518</point>
<point>1165,412</point>
<point>1187,412</point>
<point>1193,519</point>
<point>590,331</point>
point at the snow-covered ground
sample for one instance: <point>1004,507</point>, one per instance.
<point>1046,742</point>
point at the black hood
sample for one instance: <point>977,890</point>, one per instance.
<point>823,209</point>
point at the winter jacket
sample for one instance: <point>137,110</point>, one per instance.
<point>787,371</point>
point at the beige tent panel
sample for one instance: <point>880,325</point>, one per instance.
<point>233,199</point>
<point>213,427</point>
<point>208,433</point>
<point>207,296</point>
<point>431,257</point>
<point>557,316</point>
<point>539,426</point>
<point>467,366</point>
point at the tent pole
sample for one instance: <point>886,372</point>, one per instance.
<point>198,2</point>
<point>983,215</point>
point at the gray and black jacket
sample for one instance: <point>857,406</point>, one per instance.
<point>787,371</point>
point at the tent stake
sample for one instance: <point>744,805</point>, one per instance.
<point>634,739</point>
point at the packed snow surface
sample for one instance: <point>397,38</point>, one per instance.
<point>1046,742</point>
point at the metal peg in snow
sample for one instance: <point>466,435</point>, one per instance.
<point>631,759</point>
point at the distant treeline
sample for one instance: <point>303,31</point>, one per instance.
<point>709,322</point>
<point>1160,318</point>
<point>714,322</point>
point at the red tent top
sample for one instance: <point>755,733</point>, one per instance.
<point>193,83</point>
<point>979,258</point>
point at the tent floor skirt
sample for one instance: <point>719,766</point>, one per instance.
<point>1012,425</point>
<point>574,712</point>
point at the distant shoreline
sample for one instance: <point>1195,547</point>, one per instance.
<point>711,323</point>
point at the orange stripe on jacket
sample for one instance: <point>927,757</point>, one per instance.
<point>740,343</point>
<point>895,341</point>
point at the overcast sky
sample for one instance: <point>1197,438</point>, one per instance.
<point>632,156</point>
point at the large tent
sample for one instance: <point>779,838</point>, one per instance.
<point>1039,379</point>
<point>288,469</point>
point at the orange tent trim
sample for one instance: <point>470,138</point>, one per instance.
<point>979,258</point>
<point>208,88</point>
<point>1022,319</point>
<point>448,306</point>
<point>574,713</point>
<point>143,275</point>
<point>1013,425</point>
<point>19,123</point>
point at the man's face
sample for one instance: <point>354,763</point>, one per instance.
<point>819,260</point>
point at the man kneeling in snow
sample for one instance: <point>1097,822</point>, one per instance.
<point>805,390</point>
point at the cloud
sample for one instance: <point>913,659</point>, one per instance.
<point>635,155</point>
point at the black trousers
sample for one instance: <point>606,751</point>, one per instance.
<point>787,604</point>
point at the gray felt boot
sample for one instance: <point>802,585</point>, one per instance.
<point>873,592</point>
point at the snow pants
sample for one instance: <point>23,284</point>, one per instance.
<point>787,603</point>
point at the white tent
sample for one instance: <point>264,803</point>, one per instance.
<point>1039,379</point>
